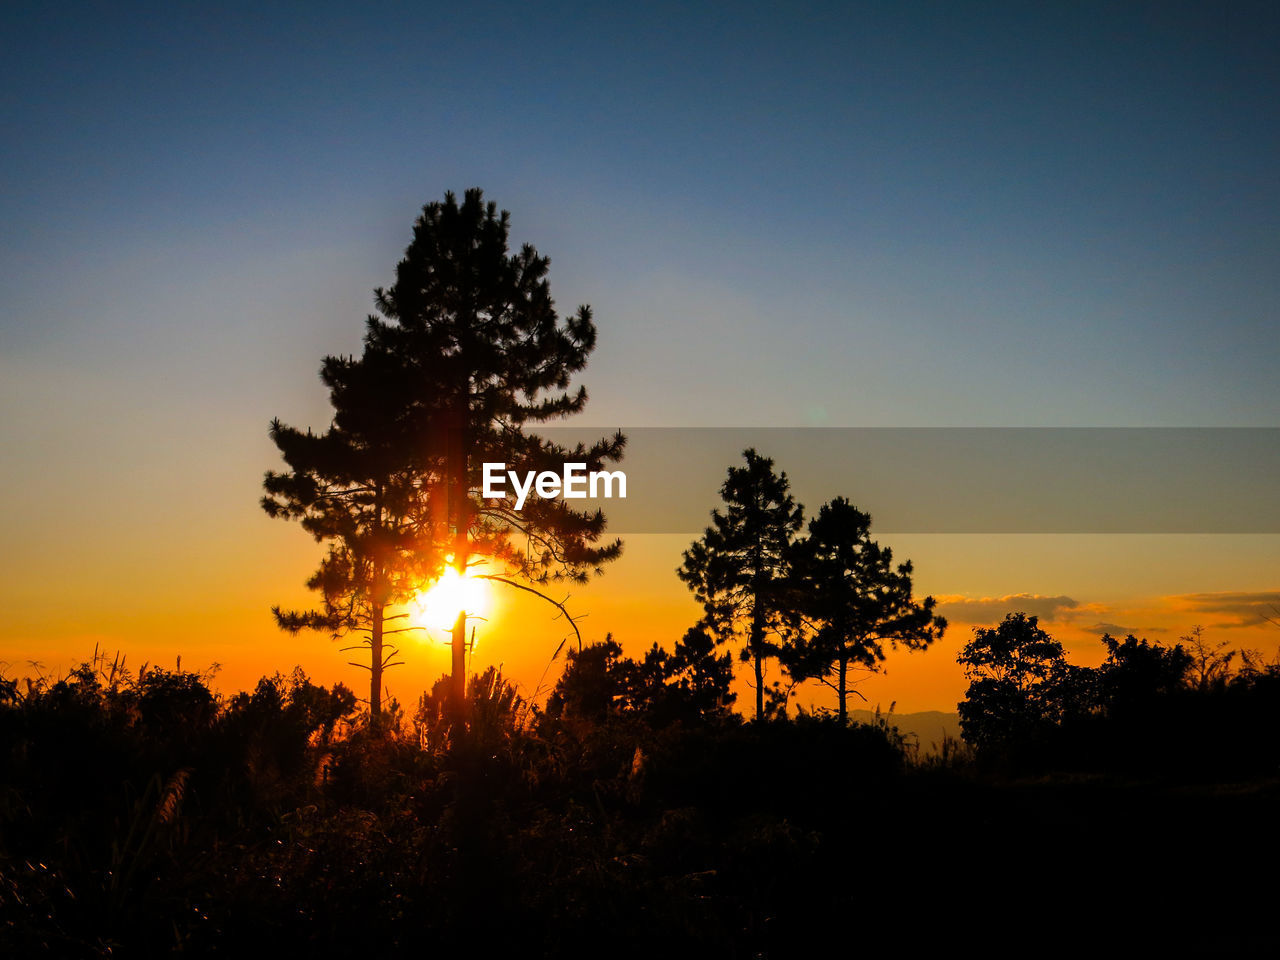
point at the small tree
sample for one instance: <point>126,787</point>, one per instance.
<point>592,683</point>
<point>700,676</point>
<point>688,685</point>
<point>853,601</point>
<point>1012,670</point>
<point>1210,667</point>
<point>1136,673</point>
<point>691,683</point>
<point>740,570</point>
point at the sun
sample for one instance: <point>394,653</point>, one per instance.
<point>438,606</point>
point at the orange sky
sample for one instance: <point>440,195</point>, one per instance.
<point>207,597</point>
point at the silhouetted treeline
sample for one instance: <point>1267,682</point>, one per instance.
<point>1190,710</point>
<point>635,813</point>
<point>111,783</point>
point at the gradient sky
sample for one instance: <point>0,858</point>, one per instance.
<point>868,214</point>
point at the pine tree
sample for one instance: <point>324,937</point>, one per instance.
<point>853,601</point>
<point>476,331</point>
<point>740,570</point>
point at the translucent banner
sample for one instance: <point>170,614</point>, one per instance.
<point>962,480</point>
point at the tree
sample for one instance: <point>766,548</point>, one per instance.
<point>1210,667</point>
<point>497,711</point>
<point>591,685</point>
<point>1013,669</point>
<point>689,685</point>
<point>700,677</point>
<point>357,487</point>
<point>1136,673</point>
<point>474,334</point>
<point>740,570</point>
<point>853,601</point>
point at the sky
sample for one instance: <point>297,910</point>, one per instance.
<point>884,215</point>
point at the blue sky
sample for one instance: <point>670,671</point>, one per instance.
<point>904,214</point>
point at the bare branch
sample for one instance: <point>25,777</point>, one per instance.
<point>537,593</point>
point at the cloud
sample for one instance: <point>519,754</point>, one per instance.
<point>992,609</point>
<point>1117,630</point>
<point>1248,609</point>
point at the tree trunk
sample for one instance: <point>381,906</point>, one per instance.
<point>844,690</point>
<point>459,520</point>
<point>757,655</point>
<point>375,612</point>
<point>375,664</point>
<point>458,678</point>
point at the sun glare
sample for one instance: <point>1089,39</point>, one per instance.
<point>438,606</point>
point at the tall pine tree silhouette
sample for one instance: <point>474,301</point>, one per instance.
<point>740,570</point>
<point>853,601</point>
<point>476,331</point>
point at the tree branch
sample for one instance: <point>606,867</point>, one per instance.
<point>537,593</point>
